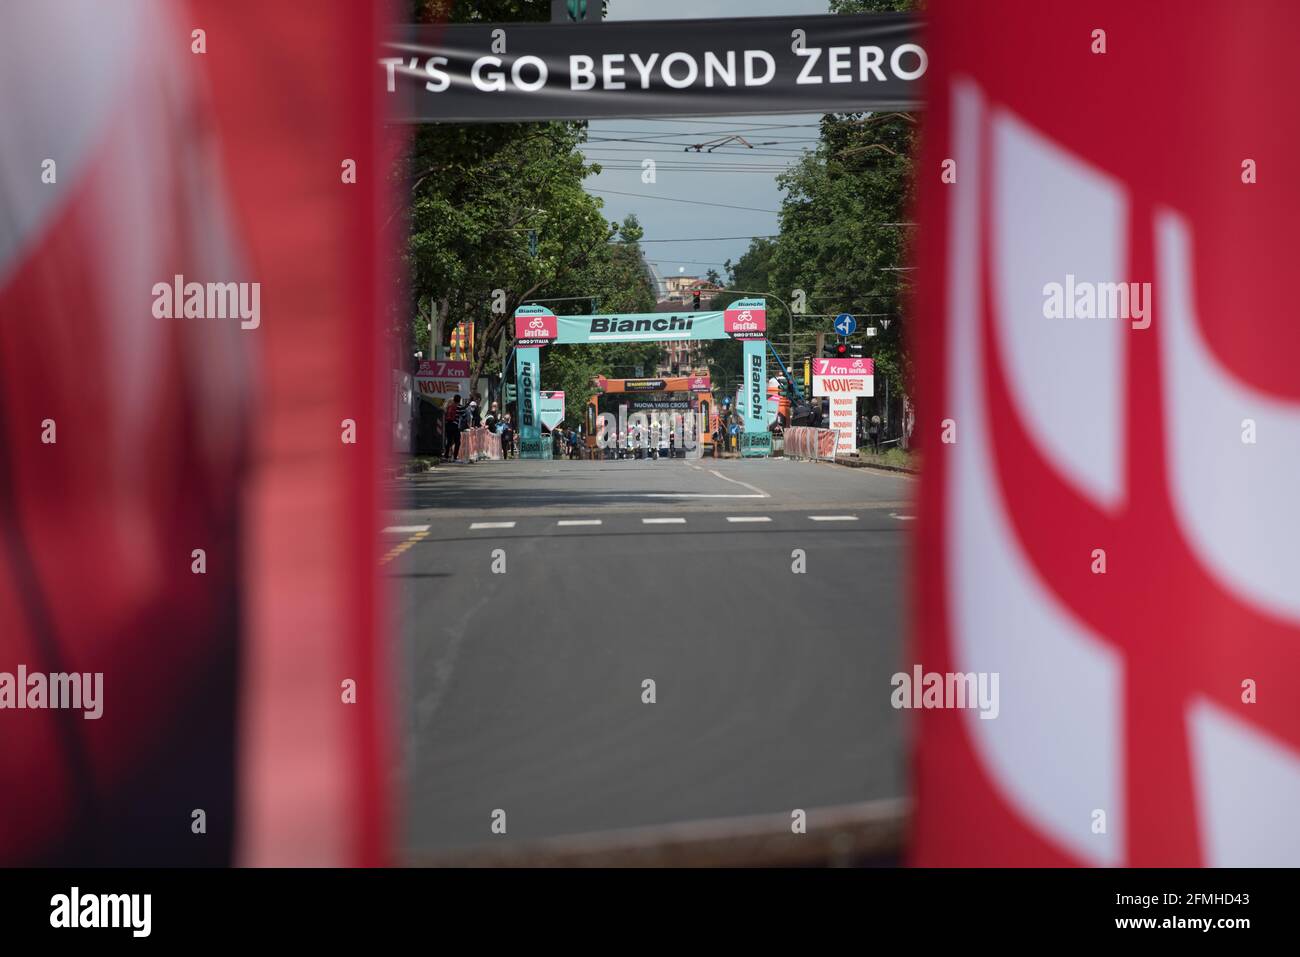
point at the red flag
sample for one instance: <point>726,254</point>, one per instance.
<point>180,511</point>
<point>1109,507</point>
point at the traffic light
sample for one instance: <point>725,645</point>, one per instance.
<point>696,299</point>
<point>855,350</point>
<point>837,350</point>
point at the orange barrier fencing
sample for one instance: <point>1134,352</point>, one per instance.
<point>806,443</point>
<point>480,443</point>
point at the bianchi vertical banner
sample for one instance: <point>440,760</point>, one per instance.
<point>489,73</point>
<point>528,375</point>
<point>755,440</point>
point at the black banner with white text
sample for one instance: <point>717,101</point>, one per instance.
<point>470,73</point>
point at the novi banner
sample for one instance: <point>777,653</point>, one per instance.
<point>528,376</point>
<point>490,73</point>
<point>755,440</point>
<point>439,379</point>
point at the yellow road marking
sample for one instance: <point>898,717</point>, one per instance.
<point>401,547</point>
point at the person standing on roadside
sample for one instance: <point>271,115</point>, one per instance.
<point>507,436</point>
<point>451,432</point>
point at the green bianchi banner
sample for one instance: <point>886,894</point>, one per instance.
<point>641,327</point>
<point>528,375</point>
<point>755,440</point>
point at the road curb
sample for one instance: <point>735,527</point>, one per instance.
<point>869,833</point>
<point>874,465</point>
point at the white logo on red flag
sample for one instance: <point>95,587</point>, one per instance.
<point>1123,690</point>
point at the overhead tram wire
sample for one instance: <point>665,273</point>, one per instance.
<point>674,199</point>
<point>697,239</point>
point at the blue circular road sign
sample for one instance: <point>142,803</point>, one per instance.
<point>845,324</point>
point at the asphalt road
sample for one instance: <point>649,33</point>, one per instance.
<point>523,689</point>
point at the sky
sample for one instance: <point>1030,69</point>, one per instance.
<point>731,176</point>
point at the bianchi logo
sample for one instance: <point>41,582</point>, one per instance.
<point>526,392</point>
<point>614,324</point>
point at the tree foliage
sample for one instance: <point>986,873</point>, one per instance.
<point>501,207</point>
<point>840,238</point>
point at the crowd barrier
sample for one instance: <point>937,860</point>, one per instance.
<point>805,443</point>
<point>481,443</point>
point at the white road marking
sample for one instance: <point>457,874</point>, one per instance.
<point>748,518</point>
<point>701,495</point>
<point>578,521</point>
<point>405,529</point>
<point>491,525</point>
<point>752,488</point>
<point>663,521</point>
<point>833,518</point>
<point>902,518</point>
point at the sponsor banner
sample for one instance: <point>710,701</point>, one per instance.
<point>462,73</point>
<point>641,327</point>
<point>538,324</point>
<point>754,389</point>
<point>746,319</point>
<point>551,406</point>
<point>440,379</point>
<point>659,405</point>
<point>670,384</point>
<point>700,383</point>
<point>539,448</point>
<point>528,381</point>
<point>852,385</point>
<point>856,366</point>
<point>535,324</point>
<point>844,420</point>
<point>644,385</point>
<point>756,443</point>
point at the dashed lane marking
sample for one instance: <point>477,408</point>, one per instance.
<point>833,518</point>
<point>477,525</point>
<point>748,518</point>
<point>578,521</point>
<point>401,547</point>
<point>663,521</point>
<point>405,529</point>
